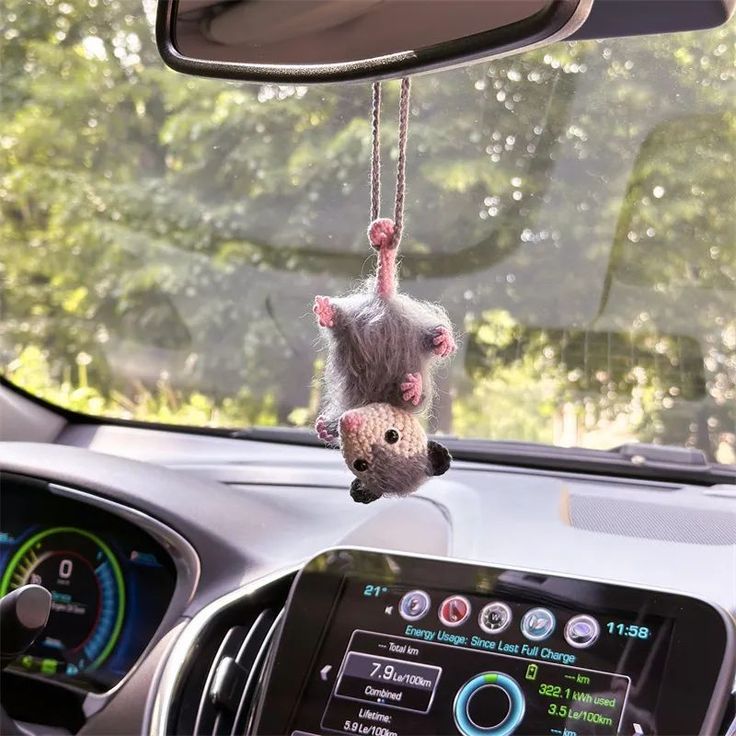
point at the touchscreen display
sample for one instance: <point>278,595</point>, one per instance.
<point>513,653</point>
<point>501,666</point>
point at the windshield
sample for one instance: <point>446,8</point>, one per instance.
<point>573,208</point>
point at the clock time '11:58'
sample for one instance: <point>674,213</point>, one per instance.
<point>633,631</point>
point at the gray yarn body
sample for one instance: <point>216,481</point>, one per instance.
<point>373,345</point>
<point>378,340</point>
<point>394,475</point>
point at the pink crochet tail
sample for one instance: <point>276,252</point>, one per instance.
<point>382,235</point>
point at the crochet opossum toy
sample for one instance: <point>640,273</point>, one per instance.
<point>382,349</point>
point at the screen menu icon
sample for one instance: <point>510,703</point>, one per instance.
<point>414,605</point>
<point>495,618</point>
<point>582,631</point>
<point>538,624</point>
<point>454,610</point>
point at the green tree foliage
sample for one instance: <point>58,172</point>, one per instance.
<point>162,236</point>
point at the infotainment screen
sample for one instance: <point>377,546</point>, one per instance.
<point>382,645</point>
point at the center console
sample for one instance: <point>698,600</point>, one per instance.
<point>381,644</point>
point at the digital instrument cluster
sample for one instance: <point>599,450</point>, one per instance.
<point>110,583</point>
<point>382,645</point>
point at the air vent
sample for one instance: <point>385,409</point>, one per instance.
<point>217,687</point>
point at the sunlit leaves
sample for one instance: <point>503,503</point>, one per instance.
<point>173,230</point>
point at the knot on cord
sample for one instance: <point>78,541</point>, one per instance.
<point>381,233</point>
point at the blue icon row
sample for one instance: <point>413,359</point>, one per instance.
<point>537,624</point>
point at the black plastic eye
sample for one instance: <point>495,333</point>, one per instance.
<point>391,436</point>
<point>360,465</point>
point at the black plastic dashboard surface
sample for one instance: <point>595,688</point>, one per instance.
<point>382,644</point>
<point>111,583</point>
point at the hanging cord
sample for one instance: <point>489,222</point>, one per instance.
<point>376,152</point>
<point>385,232</point>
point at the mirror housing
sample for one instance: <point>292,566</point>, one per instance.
<point>303,41</point>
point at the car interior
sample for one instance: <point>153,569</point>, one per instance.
<point>181,553</point>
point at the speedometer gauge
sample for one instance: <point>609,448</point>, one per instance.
<point>88,596</point>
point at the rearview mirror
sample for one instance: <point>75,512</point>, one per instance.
<point>301,41</point>
<point>336,40</point>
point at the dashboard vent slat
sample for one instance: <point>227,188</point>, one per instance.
<point>215,690</point>
<point>207,711</point>
<point>227,695</point>
<point>238,673</point>
<point>254,680</point>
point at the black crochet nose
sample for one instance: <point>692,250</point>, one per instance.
<point>360,465</point>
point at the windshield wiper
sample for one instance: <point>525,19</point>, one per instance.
<point>634,460</point>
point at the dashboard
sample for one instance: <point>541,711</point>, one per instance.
<point>381,644</point>
<point>198,601</point>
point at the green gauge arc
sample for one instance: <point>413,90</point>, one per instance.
<point>117,572</point>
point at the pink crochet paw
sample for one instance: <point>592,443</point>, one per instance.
<point>325,311</point>
<point>323,431</point>
<point>381,233</point>
<point>411,389</point>
<point>444,343</point>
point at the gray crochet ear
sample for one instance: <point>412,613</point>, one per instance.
<point>360,494</point>
<point>439,458</point>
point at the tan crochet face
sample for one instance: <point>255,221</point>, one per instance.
<point>379,428</point>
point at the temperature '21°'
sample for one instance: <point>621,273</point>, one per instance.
<point>374,591</point>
